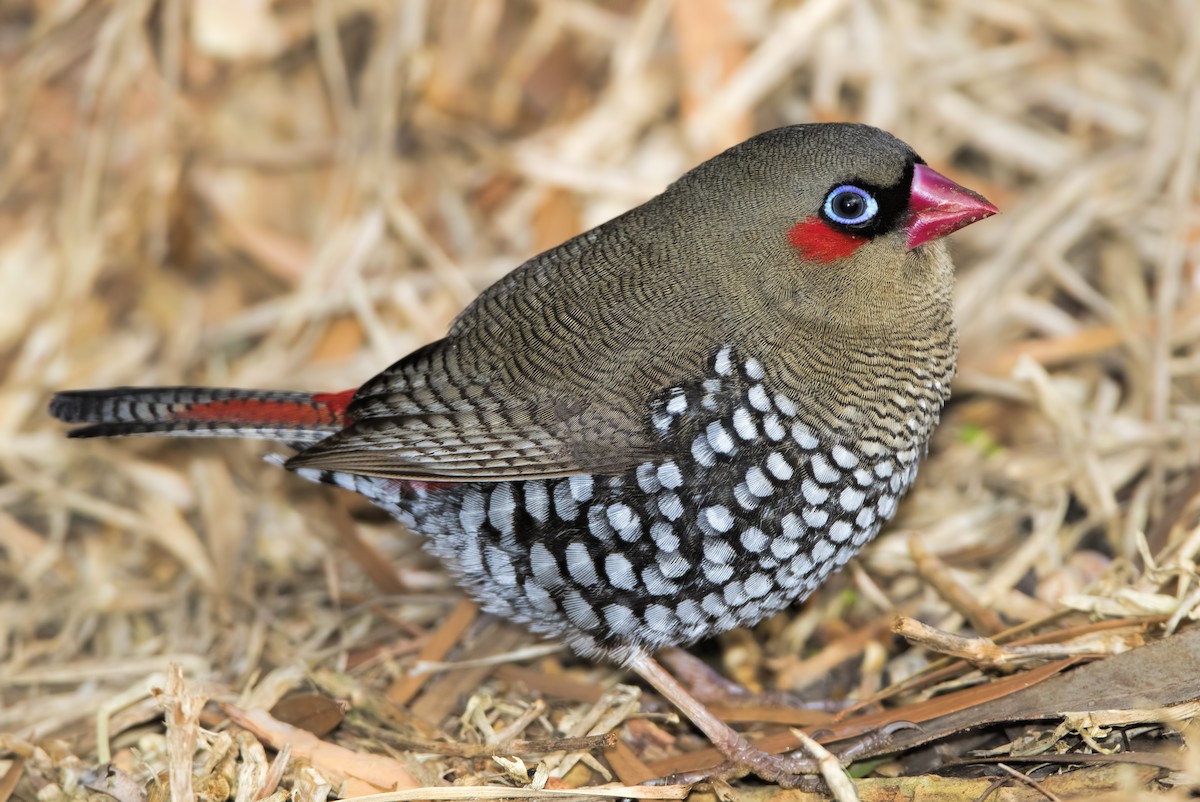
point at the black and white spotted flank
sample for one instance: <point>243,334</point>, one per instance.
<point>757,505</point>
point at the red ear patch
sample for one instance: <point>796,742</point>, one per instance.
<point>817,241</point>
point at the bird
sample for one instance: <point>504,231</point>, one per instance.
<point>671,425</point>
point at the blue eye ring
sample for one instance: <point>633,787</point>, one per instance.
<point>846,199</point>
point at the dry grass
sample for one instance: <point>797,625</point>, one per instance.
<point>294,194</point>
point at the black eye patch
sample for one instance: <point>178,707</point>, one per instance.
<point>892,203</point>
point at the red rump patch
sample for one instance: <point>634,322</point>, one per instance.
<point>818,241</point>
<point>336,402</point>
<point>257,412</point>
<point>324,409</point>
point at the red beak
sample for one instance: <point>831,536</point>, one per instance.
<point>937,206</point>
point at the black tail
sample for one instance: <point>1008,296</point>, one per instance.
<point>201,412</point>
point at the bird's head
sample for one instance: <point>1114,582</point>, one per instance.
<point>835,223</point>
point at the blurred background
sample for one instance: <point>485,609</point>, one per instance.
<point>294,194</point>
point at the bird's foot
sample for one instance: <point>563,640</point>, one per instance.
<point>795,770</point>
<point>813,771</point>
<point>871,743</point>
<point>787,770</point>
<point>813,767</point>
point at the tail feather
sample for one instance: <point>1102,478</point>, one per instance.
<point>202,412</point>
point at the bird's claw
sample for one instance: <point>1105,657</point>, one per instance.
<point>791,770</point>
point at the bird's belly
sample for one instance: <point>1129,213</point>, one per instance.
<point>664,555</point>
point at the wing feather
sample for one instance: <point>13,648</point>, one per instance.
<point>443,446</point>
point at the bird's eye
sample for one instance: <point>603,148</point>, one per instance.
<point>850,205</point>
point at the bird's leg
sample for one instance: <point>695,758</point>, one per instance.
<point>785,770</point>
<point>705,684</point>
<point>710,687</point>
